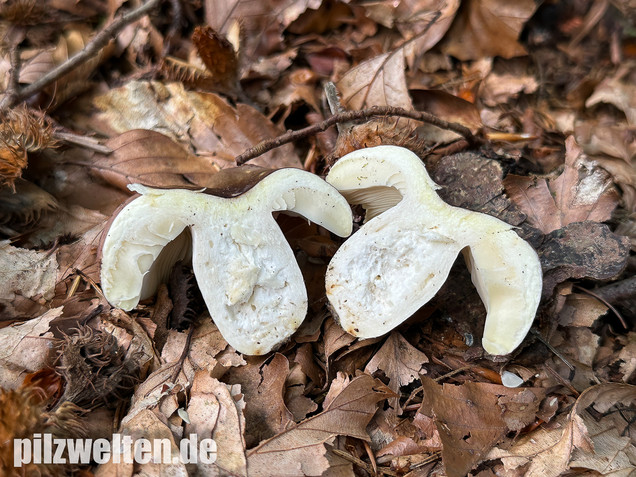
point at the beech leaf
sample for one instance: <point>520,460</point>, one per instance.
<point>488,28</point>
<point>300,449</point>
<point>202,120</point>
<point>473,417</point>
<point>141,156</point>
<point>582,192</point>
<point>581,441</point>
<point>262,383</point>
<point>25,348</point>
<point>400,361</point>
<point>379,81</point>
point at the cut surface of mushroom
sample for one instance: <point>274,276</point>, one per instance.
<point>245,269</point>
<point>403,253</point>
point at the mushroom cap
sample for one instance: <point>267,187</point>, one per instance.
<point>245,269</point>
<point>403,253</point>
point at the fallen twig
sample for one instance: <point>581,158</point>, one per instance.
<point>348,116</point>
<point>97,43</point>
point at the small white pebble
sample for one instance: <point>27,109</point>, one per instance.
<point>511,380</point>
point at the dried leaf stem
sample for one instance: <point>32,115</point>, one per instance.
<point>90,50</point>
<point>347,116</point>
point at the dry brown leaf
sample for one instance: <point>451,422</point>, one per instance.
<point>25,348</point>
<point>295,400</point>
<point>219,57</point>
<point>400,361</point>
<point>507,81</point>
<point>67,221</point>
<point>214,413</point>
<point>335,338</point>
<point>145,425</point>
<point>413,18</point>
<point>262,383</point>
<point>581,310</point>
<point>473,417</point>
<point>580,193</point>
<point>207,350</point>
<point>581,441</point>
<point>305,358</point>
<point>150,158</point>
<point>618,90</point>
<point>379,81</point>
<point>533,197</point>
<point>81,255</point>
<point>70,42</point>
<point>300,450</point>
<point>201,120</point>
<point>580,344</point>
<point>627,357</point>
<point>488,28</point>
<point>261,23</point>
<point>24,273</point>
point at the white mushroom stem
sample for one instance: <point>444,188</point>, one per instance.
<point>245,269</point>
<point>402,255</point>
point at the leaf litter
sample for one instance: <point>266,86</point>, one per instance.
<point>548,90</point>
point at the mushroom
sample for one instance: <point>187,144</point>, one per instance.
<point>403,253</point>
<point>245,269</point>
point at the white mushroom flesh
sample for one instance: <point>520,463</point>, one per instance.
<point>245,269</point>
<point>400,258</point>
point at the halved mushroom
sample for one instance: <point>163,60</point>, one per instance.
<point>245,269</point>
<point>402,255</point>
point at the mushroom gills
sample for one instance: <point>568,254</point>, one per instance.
<point>375,200</point>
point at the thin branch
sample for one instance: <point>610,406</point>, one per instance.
<point>347,116</point>
<point>14,73</point>
<point>90,50</point>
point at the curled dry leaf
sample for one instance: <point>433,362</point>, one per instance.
<point>413,20</point>
<point>473,417</point>
<point>25,348</point>
<point>219,57</point>
<point>295,400</point>
<point>201,120</point>
<point>488,28</point>
<point>618,90</point>
<point>263,385</point>
<point>400,361</point>
<point>300,449</point>
<point>582,192</point>
<point>379,81</point>
<point>150,158</point>
<point>215,413</point>
<point>261,23</point>
<point>145,425</point>
<point>580,441</point>
<point>24,273</point>
<point>444,105</point>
